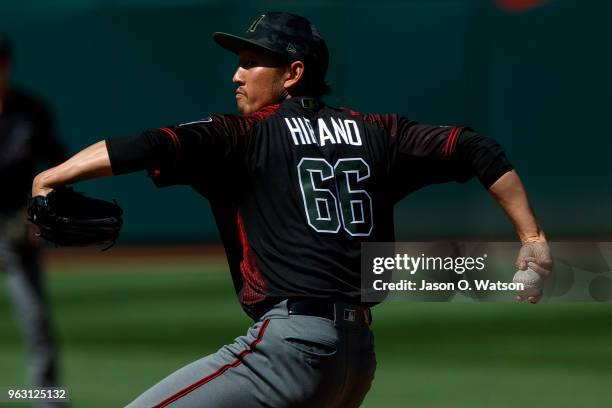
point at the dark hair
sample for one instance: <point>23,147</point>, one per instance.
<point>313,82</point>
<point>316,84</point>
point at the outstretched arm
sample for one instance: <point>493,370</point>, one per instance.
<point>91,162</point>
<point>445,154</point>
<point>510,194</point>
<point>177,152</point>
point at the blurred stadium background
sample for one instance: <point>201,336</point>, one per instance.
<point>535,75</point>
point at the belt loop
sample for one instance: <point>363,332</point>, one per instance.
<point>286,305</point>
<point>367,316</point>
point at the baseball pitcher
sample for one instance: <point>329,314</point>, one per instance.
<point>296,186</point>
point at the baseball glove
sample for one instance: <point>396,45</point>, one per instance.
<point>68,218</point>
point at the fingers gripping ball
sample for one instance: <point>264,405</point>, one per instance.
<point>68,218</point>
<point>531,280</point>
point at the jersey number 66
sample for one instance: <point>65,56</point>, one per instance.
<point>332,196</point>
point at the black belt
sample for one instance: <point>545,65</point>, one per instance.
<point>338,312</point>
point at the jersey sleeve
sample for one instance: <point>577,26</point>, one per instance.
<point>183,154</point>
<point>423,154</point>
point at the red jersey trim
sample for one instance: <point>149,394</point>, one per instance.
<point>172,135</point>
<point>239,360</point>
<point>266,111</point>
<point>253,289</point>
<point>350,111</point>
<point>451,141</point>
<point>388,122</point>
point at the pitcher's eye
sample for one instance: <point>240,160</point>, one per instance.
<point>248,63</point>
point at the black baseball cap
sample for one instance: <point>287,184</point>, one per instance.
<point>288,35</point>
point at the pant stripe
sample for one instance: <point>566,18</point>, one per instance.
<point>217,373</point>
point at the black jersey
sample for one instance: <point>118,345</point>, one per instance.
<point>297,187</point>
<point>27,139</point>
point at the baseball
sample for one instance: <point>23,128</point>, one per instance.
<point>531,280</point>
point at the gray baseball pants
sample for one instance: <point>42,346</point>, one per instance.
<point>25,290</point>
<point>283,361</point>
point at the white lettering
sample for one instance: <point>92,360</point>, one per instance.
<point>295,130</point>
<point>324,133</point>
<point>463,284</point>
<point>416,262</point>
<point>340,131</point>
<point>304,131</point>
<point>297,125</point>
<point>354,137</point>
<point>311,131</point>
<point>377,269</point>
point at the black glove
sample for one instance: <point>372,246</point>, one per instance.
<point>68,218</point>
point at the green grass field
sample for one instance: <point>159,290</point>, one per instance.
<point>122,328</point>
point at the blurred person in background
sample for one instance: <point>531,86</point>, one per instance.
<point>27,140</point>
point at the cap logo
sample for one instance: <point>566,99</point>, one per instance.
<point>291,48</point>
<point>255,23</point>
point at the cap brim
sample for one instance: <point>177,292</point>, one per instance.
<point>236,44</point>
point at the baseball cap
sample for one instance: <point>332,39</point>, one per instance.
<point>288,35</point>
